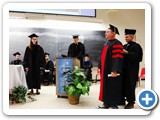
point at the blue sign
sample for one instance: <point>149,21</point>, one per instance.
<point>63,64</point>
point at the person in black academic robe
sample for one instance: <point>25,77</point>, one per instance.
<point>87,66</point>
<point>77,50</point>
<point>111,71</point>
<point>132,57</point>
<point>17,60</point>
<point>34,60</point>
<point>47,73</point>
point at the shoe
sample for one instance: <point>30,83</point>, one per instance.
<point>30,93</point>
<point>114,106</point>
<point>129,106</point>
<point>51,83</point>
<point>46,84</point>
<point>122,103</point>
<point>38,93</point>
<point>104,107</point>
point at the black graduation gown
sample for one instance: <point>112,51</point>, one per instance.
<point>48,75</point>
<point>131,69</point>
<point>16,62</point>
<point>111,60</point>
<point>49,65</point>
<point>34,59</point>
<point>77,50</point>
<point>87,66</point>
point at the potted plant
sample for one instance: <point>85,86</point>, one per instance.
<point>76,84</point>
<point>17,94</point>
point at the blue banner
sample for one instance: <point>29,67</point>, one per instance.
<point>63,64</point>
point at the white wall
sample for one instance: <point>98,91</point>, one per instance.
<point>134,19</point>
<point>131,19</point>
<point>54,21</point>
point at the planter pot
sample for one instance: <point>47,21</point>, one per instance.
<point>73,100</point>
<point>16,100</point>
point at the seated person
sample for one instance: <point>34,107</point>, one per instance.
<point>17,60</point>
<point>87,66</point>
<point>47,73</point>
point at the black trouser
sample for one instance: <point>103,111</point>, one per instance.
<point>47,77</point>
<point>81,63</point>
<point>130,95</point>
<point>129,90</point>
<point>88,74</point>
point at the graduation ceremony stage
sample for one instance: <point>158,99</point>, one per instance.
<point>49,100</point>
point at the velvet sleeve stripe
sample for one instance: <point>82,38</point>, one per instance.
<point>118,46</point>
<point>117,51</point>
<point>117,56</point>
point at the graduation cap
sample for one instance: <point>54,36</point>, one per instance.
<point>86,55</point>
<point>46,54</point>
<point>17,53</point>
<point>33,35</point>
<point>114,29</point>
<point>63,56</point>
<point>130,31</point>
<point>75,36</point>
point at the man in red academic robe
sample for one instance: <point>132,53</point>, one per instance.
<point>111,70</point>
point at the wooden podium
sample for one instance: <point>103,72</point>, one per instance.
<point>61,64</point>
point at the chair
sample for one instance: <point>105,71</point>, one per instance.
<point>142,75</point>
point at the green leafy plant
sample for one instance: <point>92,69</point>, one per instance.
<point>76,82</point>
<point>17,94</point>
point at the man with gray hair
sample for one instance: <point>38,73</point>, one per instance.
<point>132,57</point>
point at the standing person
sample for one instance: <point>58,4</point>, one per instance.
<point>132,57</point>
<point>111,70</point>
<point>17,60</point>
<point>48,70</point>
<point>34,60</point>
<point>87,66</point>
<point>77,49</point>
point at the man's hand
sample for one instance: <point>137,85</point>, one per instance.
<point>114,74</point>
<point>41,68</point>
<point>98,71</point>
<point>27,69</point>
<point>46,70</point>
<point>125,51</point>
